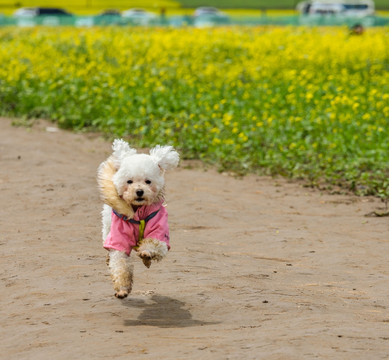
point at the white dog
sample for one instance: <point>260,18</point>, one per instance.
<point>134,217</point>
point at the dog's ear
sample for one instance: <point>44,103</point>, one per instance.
<point>121,149</point>
<point>165,156</point>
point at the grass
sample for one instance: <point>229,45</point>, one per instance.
<point>304,103</point>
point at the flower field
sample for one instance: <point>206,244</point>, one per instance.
<point>300,102</point>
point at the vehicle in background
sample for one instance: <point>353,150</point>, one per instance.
<point>31,12</point>
<point>345,8</point>
<point>105,17</point>
<point>138,16</point>
<point>209,16</point>
<point>110,12</point>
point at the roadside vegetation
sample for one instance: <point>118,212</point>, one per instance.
<point>311,104</point>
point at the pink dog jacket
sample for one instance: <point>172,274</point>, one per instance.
<point>148,222</point>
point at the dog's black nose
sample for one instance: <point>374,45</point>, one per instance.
<point>139,193</point>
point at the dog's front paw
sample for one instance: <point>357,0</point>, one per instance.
<point>152,250</point>
<point>146,256</point>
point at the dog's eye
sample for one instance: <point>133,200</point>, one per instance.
<point>148,182</point>
<point>129,182</point>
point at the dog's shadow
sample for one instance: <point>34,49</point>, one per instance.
<point>163,312</point>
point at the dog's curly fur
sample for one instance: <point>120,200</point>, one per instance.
<point>120,178</point>
<point>108,191</point>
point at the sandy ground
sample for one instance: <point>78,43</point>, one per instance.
<point>259,268</point>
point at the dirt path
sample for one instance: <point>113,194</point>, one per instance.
<point>259,268</point>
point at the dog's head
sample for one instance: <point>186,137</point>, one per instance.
<point>139,178</point>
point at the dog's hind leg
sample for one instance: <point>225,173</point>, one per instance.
<point>106,220</point>
<point>121,272</point>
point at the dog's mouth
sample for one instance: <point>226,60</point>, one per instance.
<point>139,199</point>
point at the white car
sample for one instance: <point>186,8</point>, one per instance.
<point>139,16</point>
<point>346,8</point>
<point>208,11</point>
<point>209,16</point>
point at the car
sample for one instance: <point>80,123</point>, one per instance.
<point>209,16</point>
<point>31,12</point>
<point>346,8</point>
<point>139,16</point>
<point>105,17</point>
<point>110,12</point>
<point>208,11</point>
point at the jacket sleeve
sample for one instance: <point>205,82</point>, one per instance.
<point>121,237</point>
